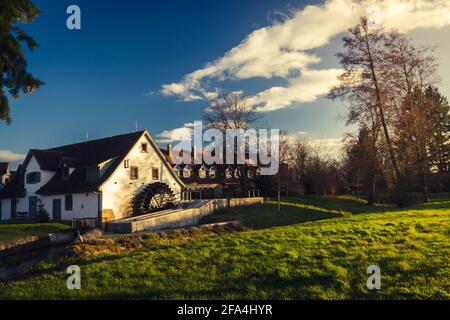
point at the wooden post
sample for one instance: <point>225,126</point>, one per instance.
<point>279,192</point>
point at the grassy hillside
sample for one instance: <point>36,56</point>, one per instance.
<point>14,231</point>
<point>315,248</point>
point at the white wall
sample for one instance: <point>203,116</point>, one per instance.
<point>33,166</point>
<point>84,205</point>
<point>118,191</point>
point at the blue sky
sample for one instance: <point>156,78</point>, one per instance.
<point>104,77</point>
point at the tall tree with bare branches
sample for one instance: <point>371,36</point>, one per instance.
<point>232,112</point>
<point>364,83</point>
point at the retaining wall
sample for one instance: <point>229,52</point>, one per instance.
<point>179,218</point>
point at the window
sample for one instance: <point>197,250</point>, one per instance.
<point>143,147</point>
<point>134,173</point>
<point>33,177</point>
<point>228,174</point>
<point>68,201</point>
<point>177,171</point>
<point>126,163</point>
<point>155,174</point>
<point>250,173</point>
<point>258,171</point>
<point>65,172</point>
<point>212,173</point>
<point>236,173</point>
<point>202,173</point>
<point>186,173</point>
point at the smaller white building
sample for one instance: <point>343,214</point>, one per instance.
<point>92,179</point>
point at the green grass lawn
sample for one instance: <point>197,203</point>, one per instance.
<point>14,231</point>
<point>315,248</point>
<point>296,210</point>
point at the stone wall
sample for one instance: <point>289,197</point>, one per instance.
<point>5,245</point>
<point>178,218</point>
<point>30,243</point>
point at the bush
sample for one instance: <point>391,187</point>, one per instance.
<point>42,216</point>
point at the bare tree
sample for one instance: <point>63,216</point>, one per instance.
<point>411,70</point>
<point>232,112</point>
<point>364,82</point>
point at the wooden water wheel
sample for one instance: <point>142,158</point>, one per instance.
<point>153,197</point>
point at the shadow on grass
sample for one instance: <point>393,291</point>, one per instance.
<point>343,204</point>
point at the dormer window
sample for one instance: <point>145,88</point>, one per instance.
<point>249,173</point>
<point>177,171</point>
<point>236,173</point>
<point>258,172</point>
<point>202,173</point>
<point>144,147</point>
<point>228,174</point>
<point>186,173</point>
<point>212,173</point>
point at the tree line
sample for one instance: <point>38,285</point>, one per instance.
<point>402,141</point>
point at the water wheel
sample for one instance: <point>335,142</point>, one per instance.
<point>153,197</point>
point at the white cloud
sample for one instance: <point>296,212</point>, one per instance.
<point>305,88</point>
<point>331,146</point>
<point>281,49</point>
<point>178,134</point>
<point>9,156</point>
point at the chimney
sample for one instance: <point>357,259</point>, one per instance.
<point>194,153</point>
<point>170,150</point>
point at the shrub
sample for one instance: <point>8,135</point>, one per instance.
<point>42,214</point>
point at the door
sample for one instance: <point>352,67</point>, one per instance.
<point>13,208</point>
<point>32,209</point>
<point>57,209</point>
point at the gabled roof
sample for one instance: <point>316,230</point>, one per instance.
<point>82,155</point>
<point>85,154</point>
<point>92,154</point>
<point>79,156</point>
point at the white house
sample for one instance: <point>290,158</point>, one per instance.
<point>92,179</point>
